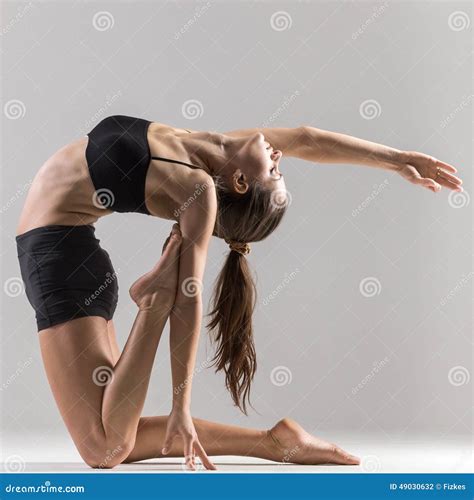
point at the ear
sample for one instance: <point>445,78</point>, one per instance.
<point>239,182</point>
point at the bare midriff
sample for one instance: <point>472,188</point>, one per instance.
<point>62,191</point>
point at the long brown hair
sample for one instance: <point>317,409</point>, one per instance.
<point>243,218</point>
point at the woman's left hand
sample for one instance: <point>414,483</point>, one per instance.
<point>427,171</point>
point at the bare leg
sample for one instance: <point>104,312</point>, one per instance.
<point>101,398</point>
<point>284,442</point>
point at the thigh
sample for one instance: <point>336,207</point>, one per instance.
<point>78,362</point>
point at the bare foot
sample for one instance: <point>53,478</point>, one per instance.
<point>292,444</point>
<point>159,285</point>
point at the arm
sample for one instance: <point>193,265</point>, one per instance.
<point>196,224</point>
<point>323,146</point>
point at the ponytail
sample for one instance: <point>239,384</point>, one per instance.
<point>240,220</point>
<point>233,304</point>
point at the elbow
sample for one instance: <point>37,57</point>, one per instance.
<point>307,133</point>
<point>304,129</point>
<point>304,141</point>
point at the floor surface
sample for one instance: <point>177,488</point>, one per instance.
<point>57,454</point>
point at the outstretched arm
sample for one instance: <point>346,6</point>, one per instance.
<point>323,146</point>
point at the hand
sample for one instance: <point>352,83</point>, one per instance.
<point>427,171</point>
<point>181,424</point>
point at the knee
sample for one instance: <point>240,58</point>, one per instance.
<point>103,455</point>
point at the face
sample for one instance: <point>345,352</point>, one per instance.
<point>255,159</point>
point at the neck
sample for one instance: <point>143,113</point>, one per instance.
<point>208,150</point>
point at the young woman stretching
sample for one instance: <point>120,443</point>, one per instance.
<point>224,184</point>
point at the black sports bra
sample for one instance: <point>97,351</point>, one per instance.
<point>118,156</point>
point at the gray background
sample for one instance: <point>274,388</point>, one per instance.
<point>318,335</point>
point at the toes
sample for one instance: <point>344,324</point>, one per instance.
<point>173,239</point>
<point>350,459</point>
<point>339,456</point>
<point>165,244</point>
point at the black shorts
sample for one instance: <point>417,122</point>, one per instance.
<point>67,274</point>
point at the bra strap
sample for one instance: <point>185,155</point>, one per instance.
<point>173,161</point>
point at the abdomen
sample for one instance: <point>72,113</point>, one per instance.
<point>61,192</point>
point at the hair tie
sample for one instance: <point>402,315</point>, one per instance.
<point>239,247</point>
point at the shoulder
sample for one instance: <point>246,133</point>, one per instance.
<point>197,212</point>
<point>166,128</point>
<point>201,191</point>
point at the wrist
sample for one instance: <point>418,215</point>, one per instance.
<point>181,407</point>
<point>394,159</point>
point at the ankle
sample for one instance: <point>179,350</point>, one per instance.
<point>265,446</point>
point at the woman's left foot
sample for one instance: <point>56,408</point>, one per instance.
<point>157,288</point>
<point>290,443</point>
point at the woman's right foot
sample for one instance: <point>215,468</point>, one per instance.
<point>290,443</point>
<point>158,286</point>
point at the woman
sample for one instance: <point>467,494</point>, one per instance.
<point>222,184</point>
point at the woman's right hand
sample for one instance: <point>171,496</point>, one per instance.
<point>181,424</point>
<point>427,171</point>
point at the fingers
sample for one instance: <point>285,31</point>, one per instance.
<point>203,456</point>
<point>167,444</point>
<point>189,454</point>
<point>450,181</point>
<point>444,179</point>
<point>427,183</point>
<point>445,166</point>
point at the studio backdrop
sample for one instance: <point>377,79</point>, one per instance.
<point>363,320</point>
